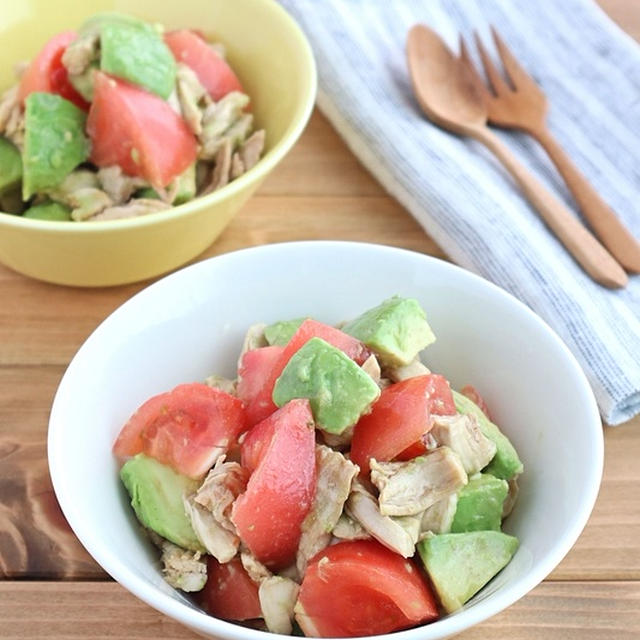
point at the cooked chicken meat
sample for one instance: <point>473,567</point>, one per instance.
<point>438,517</point>
<point>118,185</point>
<point>408,488</point>
<point>363,507</point>
<point>461,433</point>
<point>254,338</point>
<point>349,529</point>
<point>278,597</point>
<point>413,369</point>
<point>222,383</point>
<point>334,474</point>
<point>372,367</point>
<point>256,570</point>
<point>186,570</point>
<point>512,494</point>
<point>133,208</point>
<point>338,440</point>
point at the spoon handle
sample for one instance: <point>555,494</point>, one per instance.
<point>604,222</point>
<point>578,240</point>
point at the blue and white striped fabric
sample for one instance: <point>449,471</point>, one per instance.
<point>590,71</point>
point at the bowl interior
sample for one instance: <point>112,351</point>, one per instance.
<point>191,324</point>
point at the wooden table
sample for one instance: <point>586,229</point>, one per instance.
<point>51,588</point>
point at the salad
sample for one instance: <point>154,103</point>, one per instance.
<point>335,488</point>
<point>121,119</point>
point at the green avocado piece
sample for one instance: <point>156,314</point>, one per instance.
<point>279,333</point>
<point>54,141</point>
<point>10,166</point>
<point>460,564</point>
<point>480,504</point>
<point>48,211</point>
<point>139,56</point>
<point>157,493</point>
<point>506,463</point>
<point>397,330</point>
<point>339,391</point>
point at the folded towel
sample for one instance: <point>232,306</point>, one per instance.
<point>590,71</point>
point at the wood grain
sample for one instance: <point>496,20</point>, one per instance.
<point>555,611</point>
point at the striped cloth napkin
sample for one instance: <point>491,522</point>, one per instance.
<point>590,71</point>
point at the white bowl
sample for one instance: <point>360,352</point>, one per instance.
<point>191,323</point>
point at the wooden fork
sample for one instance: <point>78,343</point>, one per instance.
<point>521,104</point>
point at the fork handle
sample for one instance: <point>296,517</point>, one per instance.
<point>604,222</point>
<point>578,240</point>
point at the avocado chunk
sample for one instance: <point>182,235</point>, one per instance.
<point>480,504</point>
<point>157,496</point>
<point>10,166</point>
<point>138,55</point>
<point>460,564</point>
<point>49,211</point>
<point>397,330</point>
<point>339,391</point>
<point>506,463</point>
<point>279,333</point>
<point>54,141</point>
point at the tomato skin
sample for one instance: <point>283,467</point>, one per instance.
<point>255,366</point>
<point>361,588</point>
<point>229,592</point>
<point>215,75</point>
<point>138,131</point>
<point>262,404</point>
<point>474,395</point>
<point>281,488</point>
<point>399,418</point>
<point>184,428</point>
<point>47,73</point>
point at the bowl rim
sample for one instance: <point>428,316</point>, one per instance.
<point>445,626</point>
<point>259,171</point>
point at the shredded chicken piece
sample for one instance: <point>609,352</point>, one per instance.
<point>278,596</point>
<point>223,484</point>
<point>339,440</point>
<point>186,570</point>
<point>222,383</point>
<point>118,185</point>
<point>439,516</point>
<point>372,367</point>
<point>221,169</point>
<point>349,529</point>
<point>8,103</point>
<point>251,149</point>
<point>237,166</point>
<point>413,369</point>
<point>408,488</point>
<point>256,570</point>
<point>221,543</point>
<point>79,55</point>
<point>334,474</point>
<point>512,494</point>
<point>461,433</point>
<point>193,98</point>
<point>132,209</point>
<point>78,179</point>
<point>253,338</point>
<point>224,120</point>
<point>363,507</point>
<point>88,202</point>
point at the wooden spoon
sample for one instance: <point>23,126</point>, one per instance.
<point>448,95</point>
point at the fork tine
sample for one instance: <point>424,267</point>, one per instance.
<point>495,79</point>
<point>475,76</point>
<point>516,73</point>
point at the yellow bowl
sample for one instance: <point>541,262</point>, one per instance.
<point>275,64</point>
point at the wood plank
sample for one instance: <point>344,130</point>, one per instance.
<point>559,611</point>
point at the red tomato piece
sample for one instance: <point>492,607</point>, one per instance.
<point>186,428</point>
<point>361,588</point>
<point>474,395</point>
<point>399,418</point>
<point>255,367</point>
<point>229,592</point>
<point>262,404</point>
<point>47,73</point>
<point>215,75</point>
<point>280,490</point>
<point>138,131</point>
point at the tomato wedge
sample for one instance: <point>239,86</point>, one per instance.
<point>361,588</point>
<point>47,73</point>
<point>215,75</point>
<point>262,404</point>
<point>229,592</point>
<point>186,428</point>
<point>138,131</point>
<point>268,516</point>
<point>400,417</point>
<point>255,367</point>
